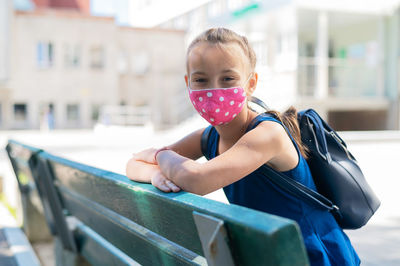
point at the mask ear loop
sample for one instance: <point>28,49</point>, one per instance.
<point>251,74</point>
<point>255,100</point>
<point>247,99</point>
<point>188,86</point>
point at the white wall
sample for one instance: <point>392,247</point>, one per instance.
<point>5,24</point>
<point>59,84</point>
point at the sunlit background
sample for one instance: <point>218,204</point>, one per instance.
<point>78,63</point>
<point>95,80</point>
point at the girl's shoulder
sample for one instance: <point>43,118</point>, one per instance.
<point>276,143</point>
<point>268,132</point>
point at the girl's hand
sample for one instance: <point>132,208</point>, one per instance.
<point>162,183</point>
<point>146,156</point>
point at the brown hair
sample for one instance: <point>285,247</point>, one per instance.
<point>289,119</point>
<point>223,36</point>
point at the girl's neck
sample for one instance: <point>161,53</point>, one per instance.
<point>231,133</point>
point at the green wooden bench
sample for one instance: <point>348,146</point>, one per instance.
<point>104,218</point>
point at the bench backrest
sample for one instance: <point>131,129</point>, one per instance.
<point>34,216</point>
<point>118,220</point>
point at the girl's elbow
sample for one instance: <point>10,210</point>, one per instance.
<point>129,169</point>
<point>192,188</point>
<point>195,190</point>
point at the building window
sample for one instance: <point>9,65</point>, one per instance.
<point>97,57</point>
<point>44,54</point>
<point>72,112</point>
<point>95,112</point>
<point>20,112</point>
<point>72,55</point>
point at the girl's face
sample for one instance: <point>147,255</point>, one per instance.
<point>219,66</point>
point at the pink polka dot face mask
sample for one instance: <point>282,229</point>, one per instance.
<point>218,106</point>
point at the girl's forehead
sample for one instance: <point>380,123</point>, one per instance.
<point>211,57</point>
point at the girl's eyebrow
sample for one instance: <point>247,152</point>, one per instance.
<point>229,71</point>
<point>223,72</point>
<point>198,73</point>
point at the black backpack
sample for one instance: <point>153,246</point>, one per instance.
<point>341,185</point>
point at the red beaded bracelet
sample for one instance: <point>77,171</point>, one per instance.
<point>160,150</point>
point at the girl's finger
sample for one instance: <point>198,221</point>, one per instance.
<point>172,186</point>
<point>176,189</point>
<point>162,186</point>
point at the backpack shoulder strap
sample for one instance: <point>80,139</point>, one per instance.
<point>299,190</point>
<point>204,141</point>
<point>260,118</point>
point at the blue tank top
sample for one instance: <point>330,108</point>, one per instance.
<point>325,241</point>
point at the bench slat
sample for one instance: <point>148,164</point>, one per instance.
<point>144,246</point>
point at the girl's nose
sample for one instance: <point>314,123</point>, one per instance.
<point>214,83</point>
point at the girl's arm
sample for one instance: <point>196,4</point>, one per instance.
<point>265,143</point>
<point>149,173</point>
<point>189,147</point>
<point>140,171</point>
<point>142,167</point>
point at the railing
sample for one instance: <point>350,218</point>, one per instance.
<point>124,115</point>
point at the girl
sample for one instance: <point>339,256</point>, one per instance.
<point>220,76</point>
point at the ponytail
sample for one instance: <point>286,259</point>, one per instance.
<point>289,120</point>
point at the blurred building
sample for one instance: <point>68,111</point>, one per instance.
<point>339,57</point>
<point>59,65</point>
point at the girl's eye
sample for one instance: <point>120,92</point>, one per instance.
<point>200,80</point>
<point>226,79</point>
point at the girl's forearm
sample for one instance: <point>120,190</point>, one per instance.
<point>183,171</point>
<point>140,171</point>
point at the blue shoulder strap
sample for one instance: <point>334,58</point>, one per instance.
<point>204,141</point>
<point>260,118</point>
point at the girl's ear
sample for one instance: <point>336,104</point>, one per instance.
<point>253,83</point>
<point>187,80</point>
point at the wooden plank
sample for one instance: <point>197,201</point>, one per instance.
<point>55,205</point>
<point>97,250</point>
<point>255,236</point>
<point>35,217</point>
<point>139,243</point>
<point>19,155</point>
